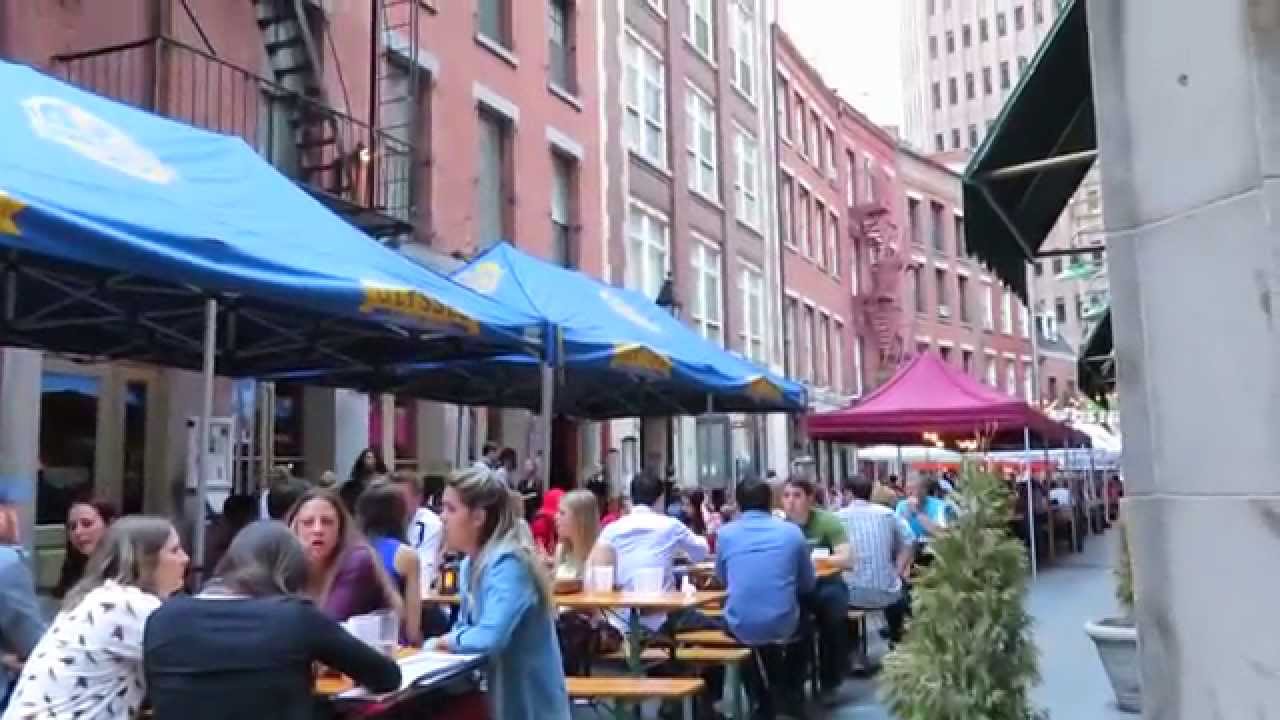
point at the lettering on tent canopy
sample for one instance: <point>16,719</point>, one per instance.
<point>412,304</point>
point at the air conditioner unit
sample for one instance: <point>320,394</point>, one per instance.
<point>944,311</point>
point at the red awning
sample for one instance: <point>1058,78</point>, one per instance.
<point>929,396</point>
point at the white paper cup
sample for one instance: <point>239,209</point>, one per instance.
<point>601,579</point>
<point>820,553</point>
<point>649,580</point>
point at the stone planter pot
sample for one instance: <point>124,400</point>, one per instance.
<point>1117,643</point>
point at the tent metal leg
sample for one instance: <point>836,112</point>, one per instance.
<point>202,434</point>
<point>1031,500</point>
<point>548,405</point>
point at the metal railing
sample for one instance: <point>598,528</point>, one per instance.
<point>344,158</point>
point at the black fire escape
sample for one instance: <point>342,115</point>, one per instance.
<point>361,162</point>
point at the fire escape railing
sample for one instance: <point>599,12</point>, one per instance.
<point>360,169</point>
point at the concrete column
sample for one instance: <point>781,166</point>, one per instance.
<point>20,433</point>
<point>1187,96</point>
<point>335,428</point>
<point>437,428</point>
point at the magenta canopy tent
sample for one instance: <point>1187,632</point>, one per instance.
<point>929,396</point>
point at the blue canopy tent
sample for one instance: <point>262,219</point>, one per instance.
<point>127,235</point>
<point>618,354</point>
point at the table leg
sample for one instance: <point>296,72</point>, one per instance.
<point>734,671</point>
<point>635,643</point>
<point>688,708</point>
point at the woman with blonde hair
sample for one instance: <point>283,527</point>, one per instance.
<point>89,664</point>
<point>344,577</point>
<point>577,524</point>
<point>506,611</point>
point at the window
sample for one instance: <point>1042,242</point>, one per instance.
<point>922,347</point>
<point>917,289</point>
<point>940,285</point>
<point>1011,378</point>
<point>937,229</point>
<point>988,308</point>
<point>1079,301</point>
<point>984,33</point>
<point>702,29</point>
<point>833,247</point>
<point>1060,311</point>
<point>936,92</point>
<point>1057,266</point>
<point>1025,315</point>
<point>1037,11</point>
<point>1019,18</point>
<point>742,53</point>
<point>933,47</point>
<point>939,142</point>
<point>782,96</point>
<point>1022,64</point>
<point>992,378</point>
<point>493,181</point>
<point>493,21</point>
<point>986,81</point>
<point>914,221</point>
<point>970,86</point>
<point>562,65</point>
<point>564,200</point>
<point>791,318</point>
<point>973,136</point>
<point>823,370</point>
<point>944,352</point>
<point>837,355</point>
<point>645,95</point>
<point>747,151</point>
<point>802,223</point>
<point>953,91</point>
<point>858,351</point>
<point>955,138</point>
<point>820,145</point>
<point>786,209</point>
<point>1004,74</point>
<point>933,6</point>
<point>1006,313</point>
<point>69,417</point>
<point>809,360</point>
<point>648,251</point>
<point>1002,27</point>
<point>962,298</point>
<point>700,119</point>
<point>966,35</point>
<point>855,267</point>
<point>1053,389</point>
<point>851,182</point>
<point>962,250</point>
<point>1039,268</point>
<point>799,126</point>
<point>813,145</point>
<point>819,232</point>
<point>966,361</point>
<point>951,42</point>
<point>708,305</point>
<point>831,152</point>
<point>869,178</point>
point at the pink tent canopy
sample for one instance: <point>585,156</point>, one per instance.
<point>929,396</point>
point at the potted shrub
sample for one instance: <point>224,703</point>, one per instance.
<point>968,653</point>
<point>1117,638</point>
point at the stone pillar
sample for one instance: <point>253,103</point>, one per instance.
<point>20,433</point>
<point>335,428</point>
<point>1187,96</point>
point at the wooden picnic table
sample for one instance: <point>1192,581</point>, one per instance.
<point>669,601</point>
<point>331,683</point>
<point>822,568</point>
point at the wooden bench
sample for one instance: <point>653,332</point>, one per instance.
<point>858,623</point>
<point>700,656</point>
<point>619,692</point>
<point>709,638</point>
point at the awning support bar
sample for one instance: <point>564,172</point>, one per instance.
<point>1035,166</point>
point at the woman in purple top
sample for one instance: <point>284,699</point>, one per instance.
<point>344,578</point>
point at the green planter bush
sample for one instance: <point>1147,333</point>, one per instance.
<point>968,653</point>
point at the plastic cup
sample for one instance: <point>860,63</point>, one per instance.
<point>649,580</point>
<point>601,579</point>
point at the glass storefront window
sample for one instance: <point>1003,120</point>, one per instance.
<point>68,443</point>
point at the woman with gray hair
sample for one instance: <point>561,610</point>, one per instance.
<point>244,647</point>
<point>89,664</point>
<point>507,611</point>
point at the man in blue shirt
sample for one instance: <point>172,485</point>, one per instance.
<point>764,562</point>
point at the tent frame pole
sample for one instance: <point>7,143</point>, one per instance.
<point>1031,502</point>
<point>548,402</point>
<point>202,439</point>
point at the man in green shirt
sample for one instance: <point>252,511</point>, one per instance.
<point>828,604</point>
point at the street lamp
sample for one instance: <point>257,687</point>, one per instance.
<point>667,301</point>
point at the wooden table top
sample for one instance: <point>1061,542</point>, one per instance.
<point>823,569</point>
<point>331,683</point>
<point>629,688</point>
<point>656,602</point>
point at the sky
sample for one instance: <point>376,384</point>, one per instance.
<point>854,44</point>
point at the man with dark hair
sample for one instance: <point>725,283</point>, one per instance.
<point>829,601</point>
<point>488,457</point>
<point>885,551</point>
<point>283,494</point>
<point>764,562</point>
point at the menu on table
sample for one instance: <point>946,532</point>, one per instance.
<point>424,670</point>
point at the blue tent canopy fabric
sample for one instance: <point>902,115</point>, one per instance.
<point>618,354</point>
<point>116,225</point>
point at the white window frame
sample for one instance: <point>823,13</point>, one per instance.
<point>830,156</point>
<point>1006,313</point>
<point>837,354</point>
<point>824,347</point>
<point>833,243</point>
<point>746,184</point>
<point>1011,377</point>
<point>641,276</point>
<point>743,32</point>
<point>991,373</point>
<point>708,263</point>
<point>820,232</point>
<point>649,75</point>
<point>859,349</point>
<point>1028,387</point>
<point>803,210</point>
<point>700,117</point>
<point>751,285</point>
<point>809,311</point>
<point>704,11</point>
<point>787,208</point>
<point>988,307</point>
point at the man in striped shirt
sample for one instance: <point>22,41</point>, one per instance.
<point>883,558</point>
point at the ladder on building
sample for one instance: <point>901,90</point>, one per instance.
<point>397,107</point>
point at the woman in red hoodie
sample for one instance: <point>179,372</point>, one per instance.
<point>544,522</point>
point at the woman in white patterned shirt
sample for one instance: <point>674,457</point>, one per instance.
<point>88,666</point>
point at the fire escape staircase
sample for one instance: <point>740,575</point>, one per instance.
<point>872,225</point>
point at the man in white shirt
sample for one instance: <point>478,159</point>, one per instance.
<point>1060,494</point>
<point>488,459</point>
<point>425,534</point>
<point>883,561</point>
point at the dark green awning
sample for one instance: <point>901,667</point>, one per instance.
<point>1036,155</point>
<point>1096,368</point>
